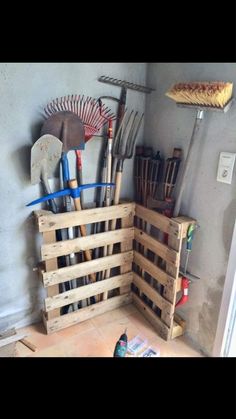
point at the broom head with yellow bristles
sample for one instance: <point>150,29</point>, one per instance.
<point>213,94</point>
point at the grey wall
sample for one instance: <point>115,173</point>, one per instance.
<point>212,203</point>
<point>25,88</point>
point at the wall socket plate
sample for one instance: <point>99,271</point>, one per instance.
<point>225,167</point>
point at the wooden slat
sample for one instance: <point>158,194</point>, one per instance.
<point>29,344</point>
<point>52,222</point>
<point>85,268</point>
<point>152,293</point>
<point>51,265</point>
<point>185,223</point>
<point>66,247</point>
<point>87,291</point>
<point>178,284</point>
<point>11,339</point>
<point>157,247</point>
<point>161,276</point>
<point>125,246</point>
<point>86,313</point>
<point>158,220</point>
<point>177,330</point>
<point>178,319</point>
<point>162,329</point>
<point>170,289</point>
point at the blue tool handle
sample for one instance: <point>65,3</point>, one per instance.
<point>74,193</point>
<point>65,167</point>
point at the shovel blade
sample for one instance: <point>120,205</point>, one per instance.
<point>45,158</point>
<point>68,127</point>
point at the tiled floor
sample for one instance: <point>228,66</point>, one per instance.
<point>97,337</point>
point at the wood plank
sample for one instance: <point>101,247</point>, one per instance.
<point>170,289</point>
<point>178,319</point>
<point>185,223</point>
<point>162,329</point>
<point>52,222</point>
<point>178,284</point>
<point>87,291</point>
<point>159,221</point>
<point>157,247</point>
<point>87,313</point>
<point>6,333</point>
<point>65,247</point>
<point>177,330</point>
<point>11,339</point>
<point>51,265</point>
<point>85,268</point>
<point>158,274</point>
<point>29,344</point>
<point>152,293</point>
<point>125,246</point>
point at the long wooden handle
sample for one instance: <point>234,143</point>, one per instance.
<point>73,184</point>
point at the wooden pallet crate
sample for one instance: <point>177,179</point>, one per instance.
<point>129,283</point>
<point>148,275</point>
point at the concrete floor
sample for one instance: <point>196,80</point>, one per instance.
<point>97,337</point>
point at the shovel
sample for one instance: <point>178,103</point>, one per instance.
<point>70,129</point>
<point>45,158</point>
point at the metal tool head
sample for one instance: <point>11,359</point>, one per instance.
<point>73,192</point>
<point>125,84</point>
<point>68,127</point>
<point>124,140</point>
<point>45,158</point>
<point>87,109</point>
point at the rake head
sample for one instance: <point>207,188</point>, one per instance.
<point>92,114</point>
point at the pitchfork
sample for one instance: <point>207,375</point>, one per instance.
<point>123,148</point>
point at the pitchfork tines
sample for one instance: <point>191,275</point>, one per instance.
<point>124,140</point>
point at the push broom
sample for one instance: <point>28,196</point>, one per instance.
<point>202,96</point>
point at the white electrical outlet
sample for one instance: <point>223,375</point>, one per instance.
<point>225,167</point>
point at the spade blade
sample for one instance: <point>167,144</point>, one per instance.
<point>45,158</point>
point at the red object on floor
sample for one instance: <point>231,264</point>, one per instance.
<point>184,286</point>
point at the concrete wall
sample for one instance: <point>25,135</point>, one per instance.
<point>25,88</point>
<point>212,203</point>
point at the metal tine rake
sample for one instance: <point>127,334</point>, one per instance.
<point>87,108</point>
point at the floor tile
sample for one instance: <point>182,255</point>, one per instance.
<point>111,332</point>
<point>89,344</point>
<point>97,337</point>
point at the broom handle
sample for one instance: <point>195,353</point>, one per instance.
<point>198,120</point>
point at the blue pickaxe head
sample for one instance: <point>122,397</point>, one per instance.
<point>73,192</point>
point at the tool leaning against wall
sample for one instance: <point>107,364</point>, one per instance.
<point>87,111</point>
<point>214,96</point>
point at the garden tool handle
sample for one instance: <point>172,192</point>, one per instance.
<point>65,167</point>
<point>52,203</point>
<point>73,184</point>
<point>117,188</point>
